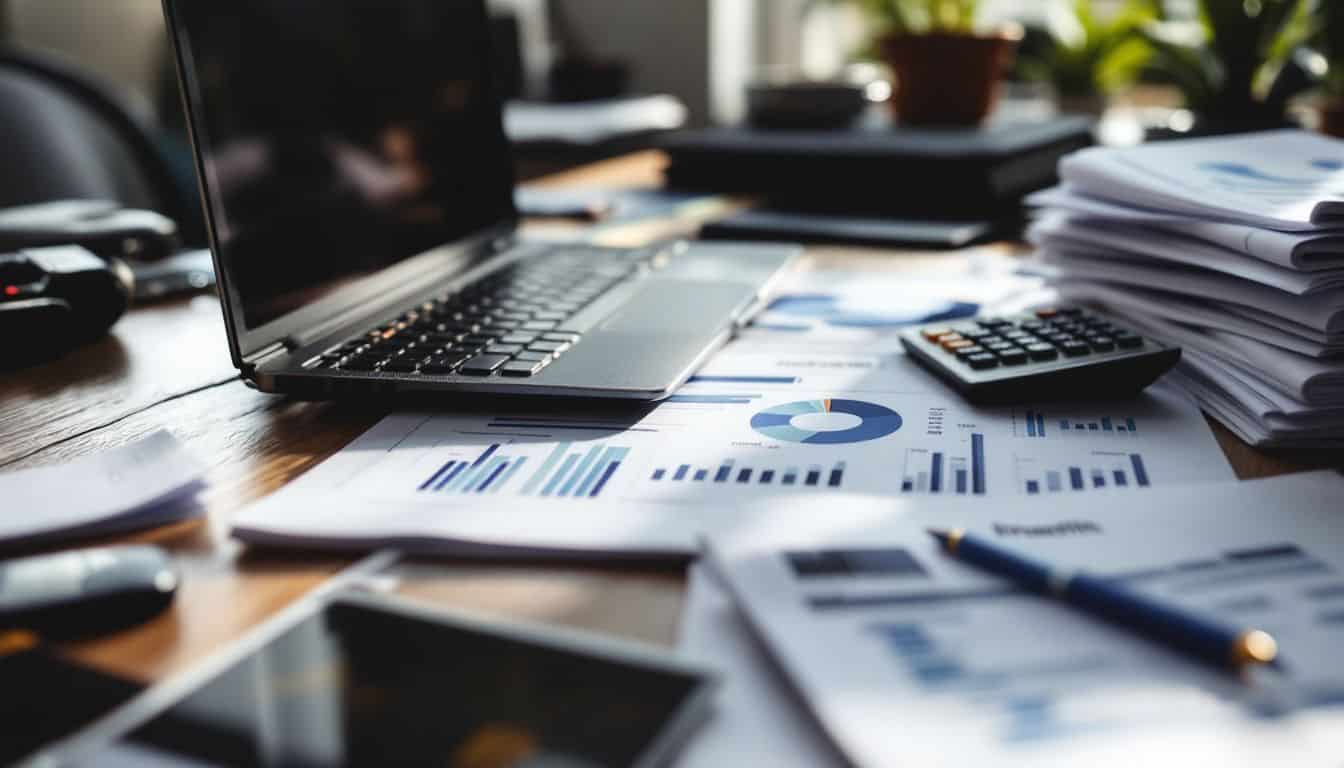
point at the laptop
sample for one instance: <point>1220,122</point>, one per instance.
<point>358,189</point>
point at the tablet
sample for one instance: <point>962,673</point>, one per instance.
<point>373,681</point>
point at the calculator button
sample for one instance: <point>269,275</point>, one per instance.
<point>1018,336</point>
<point>1012,356</point>
<point>983,361</point>
<point>1076,349</point>
<point>1128,341</point>
<point>970,352</point>
<point>1101,343</point>
<point>1001,346</point>
<point>933,334</point>
<point>990,339</point>
<point>992,322</point>
<point>975,334</point>
<point>960,344</point>
<point>1042,352</point>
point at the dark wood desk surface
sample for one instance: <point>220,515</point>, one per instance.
<point>167,366</point>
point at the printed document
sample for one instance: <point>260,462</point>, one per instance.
<point>908,657</point>
<point>755,422</point>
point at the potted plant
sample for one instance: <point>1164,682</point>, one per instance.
<point>947,72</point>
<point>1092,57</point>
<point>1230,66</point>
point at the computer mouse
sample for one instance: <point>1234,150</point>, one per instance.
<point>53,299</point>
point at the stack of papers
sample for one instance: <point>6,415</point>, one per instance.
<point>153,481</point>
<point>895,654</point>
<point>1232,248</point>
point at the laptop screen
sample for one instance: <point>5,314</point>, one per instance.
<point>339,138</point>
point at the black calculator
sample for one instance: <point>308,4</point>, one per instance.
<point>1050,354</point>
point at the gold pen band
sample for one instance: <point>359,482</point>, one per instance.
<point>954,538</point>
<point>1254,646</point>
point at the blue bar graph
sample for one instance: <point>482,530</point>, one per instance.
<point>492,472</point>
<point>1076,478</point>
<point>961,481</point>
<point>728,474</point>
<point>560,474</point>
<point>1140,471</point>
<point>1106,470</point>
<point>978,464</point>
<point>549,464</point>
<point>434,478</point>
<point>1034,422</point>
<point>936,477</point>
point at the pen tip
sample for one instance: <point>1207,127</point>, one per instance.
<point>941,536</point>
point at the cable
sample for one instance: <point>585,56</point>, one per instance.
<point>119,419</point>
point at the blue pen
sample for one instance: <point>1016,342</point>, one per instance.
<point>1209,640</point>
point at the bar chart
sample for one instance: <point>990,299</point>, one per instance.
<point>1039,425</point>
<point>931,471</point>
<point>738,473</point>
<point>1098,471</point>
<point>567,471</point>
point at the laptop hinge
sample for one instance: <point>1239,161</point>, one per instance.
<point>264,355</point>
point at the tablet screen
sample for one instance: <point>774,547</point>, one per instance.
<point>358,686</point>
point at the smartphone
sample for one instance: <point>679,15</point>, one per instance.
<point>364,680</point>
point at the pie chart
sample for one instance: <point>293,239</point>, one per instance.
<point>826,422</point>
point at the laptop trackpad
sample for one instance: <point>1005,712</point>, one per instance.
<point>680,307</point>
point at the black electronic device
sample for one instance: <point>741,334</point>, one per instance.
<point>105,228</point>
<point>1050,354</point>
<point>52,299</point>
<point>375,681</point>
<point>85,593</point>
<point>875,168</point>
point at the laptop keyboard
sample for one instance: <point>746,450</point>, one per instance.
<point>510,323</point>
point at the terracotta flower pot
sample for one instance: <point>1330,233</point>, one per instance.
<point>1332,119</point>
<point>947,79</point>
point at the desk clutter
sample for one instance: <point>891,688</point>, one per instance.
<point>1232,249</point>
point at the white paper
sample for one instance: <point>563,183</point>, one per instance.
<point>1135,302</point>
<point>129,487</point>
<point>1323,312</point>
<point>758,718</point>
<point>755,422</point>
<point>910,658</point>
<point>1289,180</point>
<point>1306,251</point>
<point>1096,240</point>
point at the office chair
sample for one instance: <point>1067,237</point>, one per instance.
<point>68,136</point>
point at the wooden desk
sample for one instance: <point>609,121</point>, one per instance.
<point>167,366</point>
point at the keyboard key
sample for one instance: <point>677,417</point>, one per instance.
<point>983,361</point>
<point>549,315</point>
<point>483,365</point>
<point>1076,349</point>
<point>533,357</point>
<point>504,349</point>
<point>1101,343</point>
<point>403,364</point>
<point>571,338</point>
<point>1128,341</point>
<point>478,340</point>
<point>1012,356</point>
<point>518,338</point>
<point>1041,352</point>
<point>539,325</point>
<point>362,363</point>
<point>440,364</point>
<point>550,347</point>
<point>522,368</point>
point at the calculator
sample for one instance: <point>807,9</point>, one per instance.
<point>1064,353</point>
